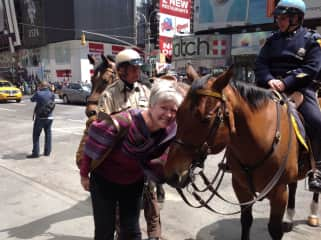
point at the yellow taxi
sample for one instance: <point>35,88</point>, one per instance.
<point>9,92</point>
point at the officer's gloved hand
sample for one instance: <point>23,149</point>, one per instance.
<point>276,84</point>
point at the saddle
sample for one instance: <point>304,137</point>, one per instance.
<point>305,153</point>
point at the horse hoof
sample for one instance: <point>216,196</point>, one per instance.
<point>313,221</point>
<point>287,226</point>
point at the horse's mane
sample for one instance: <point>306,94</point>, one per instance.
<point>253,95</point>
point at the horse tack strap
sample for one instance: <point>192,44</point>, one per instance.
<point>210,93</point>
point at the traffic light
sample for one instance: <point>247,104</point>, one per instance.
<point>83,39</point>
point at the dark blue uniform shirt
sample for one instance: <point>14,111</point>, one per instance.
<point>294,58</point>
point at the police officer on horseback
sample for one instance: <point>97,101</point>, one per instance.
<point>289,61</point>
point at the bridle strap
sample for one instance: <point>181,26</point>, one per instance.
<point>210,93</point>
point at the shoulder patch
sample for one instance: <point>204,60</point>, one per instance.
<point>319,41</point>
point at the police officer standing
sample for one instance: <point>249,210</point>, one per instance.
<point>127,93</point>
<point>289,61</point>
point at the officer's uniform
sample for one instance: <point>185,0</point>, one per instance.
<point>295,58</point>
<point>118,97</point>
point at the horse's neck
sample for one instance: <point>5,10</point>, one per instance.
<point>254,129</point>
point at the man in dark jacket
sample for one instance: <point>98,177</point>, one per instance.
<point>43,119</point>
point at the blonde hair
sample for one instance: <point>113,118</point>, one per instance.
<point>164,90</point>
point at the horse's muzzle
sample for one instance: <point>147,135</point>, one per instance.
<point>178,181</point>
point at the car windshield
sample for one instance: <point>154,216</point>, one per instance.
<point>5,84</point>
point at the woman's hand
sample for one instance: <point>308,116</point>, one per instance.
<point>85,182</point>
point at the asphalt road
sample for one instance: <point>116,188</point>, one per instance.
<point>43,199</point>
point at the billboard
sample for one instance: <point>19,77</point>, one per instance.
<point>32,17</point>
<point>181,8</point>
<point>174,18</point>
<point>248,43</point>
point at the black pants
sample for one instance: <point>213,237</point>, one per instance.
<point>105,195</point>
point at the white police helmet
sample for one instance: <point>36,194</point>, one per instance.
<point>129,56</point>
<point>290,7</point>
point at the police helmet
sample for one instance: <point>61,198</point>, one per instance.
<point>290,7</point>
<point>130,57</point>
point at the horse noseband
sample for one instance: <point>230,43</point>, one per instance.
<point>201,154</point>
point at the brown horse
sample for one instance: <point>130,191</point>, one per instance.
<point>261,147</point>
<point>104,74</point>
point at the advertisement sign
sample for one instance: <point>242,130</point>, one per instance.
<point>218,13</point>
<point>166,45</point>
<point>96,48</point>
<point>178,8</point>
<point>166,25</point>
<point>202,46</point>
<point>248,43</point>
<point>32,16</point>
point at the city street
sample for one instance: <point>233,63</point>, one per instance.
<point>42,198</point>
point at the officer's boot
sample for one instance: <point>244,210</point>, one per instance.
<point>315,176</point>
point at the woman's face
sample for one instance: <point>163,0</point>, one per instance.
<point>163,113</point>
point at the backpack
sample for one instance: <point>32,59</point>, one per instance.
<point>44,110</point>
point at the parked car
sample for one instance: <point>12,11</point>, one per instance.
<point>9,92</point>
<point>75,93</point>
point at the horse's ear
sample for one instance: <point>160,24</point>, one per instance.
<point>103,57</point>
<point>111,58</point>
<point>223,79</point>
<point>191,72</point>
<point>91,59</point>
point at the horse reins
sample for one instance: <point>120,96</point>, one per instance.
<point>219,118</point>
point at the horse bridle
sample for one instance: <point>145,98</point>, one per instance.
<point>202,150</point>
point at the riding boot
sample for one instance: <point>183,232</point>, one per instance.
<point>315,175</point>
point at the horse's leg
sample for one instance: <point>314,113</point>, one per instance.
<point>290,211</point>
<point>313,219</point>
<point>244,195</point>
<point>278,202</point>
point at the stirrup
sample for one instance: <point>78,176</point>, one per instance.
<point>313,173</point>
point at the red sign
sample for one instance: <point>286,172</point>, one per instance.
<point>63,73</point>
<point>177,8</point>
<point>116,49</point>
<point>96,48</point>
<point>219,47</point>
<point>166,45</point>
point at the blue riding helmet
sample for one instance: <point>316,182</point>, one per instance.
<point>290,7</point>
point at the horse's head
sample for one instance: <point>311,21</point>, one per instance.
<point>104,74</point>
<point>203,126</point>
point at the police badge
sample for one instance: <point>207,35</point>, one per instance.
<point>301,52</point>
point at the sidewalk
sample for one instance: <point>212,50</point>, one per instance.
<point>32,211</point>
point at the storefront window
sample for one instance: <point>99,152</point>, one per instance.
<point>62,55</point>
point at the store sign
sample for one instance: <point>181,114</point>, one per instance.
<point>166,45</point>
<point>248,43</point>
<point>178,8</point>
<point>96,48</point>
<point>63,73</point>
<point>201,46</point>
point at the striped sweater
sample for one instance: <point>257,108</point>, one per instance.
<point>132,156</point>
